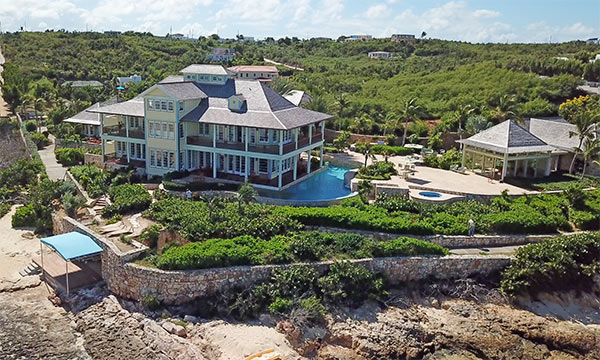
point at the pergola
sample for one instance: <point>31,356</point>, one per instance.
<point>520,152</point>
<point>70,246</point>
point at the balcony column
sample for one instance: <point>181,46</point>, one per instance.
<point>126,128</point>
<point>321,155</point>
<point>279,176</point>
<point>128,145</point>
<point>310,133</point>
<point>308,166</point>
<point>280,142</point>
<point>295,163</point>
<point>246,138</point>
<point>214,130</point>
<point>322,130</point>
<point>247,168</point>
<point>296,132</point>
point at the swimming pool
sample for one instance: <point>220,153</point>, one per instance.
<point>326,185</point>
<point>430,194</point>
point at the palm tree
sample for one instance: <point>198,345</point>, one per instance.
<point>366,149</point>
<point>362,124</point>
<point>409,111</point>
<point>506,109</point>
<point>38,106</point>
<point>282,86</point>
<point>318,103</point>
<point>592,148</point>
<point>462,113</point>
<point>476,124</point>
<point>584,123</point>
<point>246,194</point>
<point>365,187</point>
<point>340,104</point>
<point>390,123</point>
<point>212,202</point>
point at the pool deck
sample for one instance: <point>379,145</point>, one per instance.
<point>432,179</point>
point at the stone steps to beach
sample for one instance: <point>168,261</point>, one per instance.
<point>31,269</point>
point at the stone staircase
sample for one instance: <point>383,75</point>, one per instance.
<point>31,269</point>
<point>100,204</point>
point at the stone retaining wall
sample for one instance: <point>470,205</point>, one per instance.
<point>448,241</point>
<point>134,282</point>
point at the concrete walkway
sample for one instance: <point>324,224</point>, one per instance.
<point>54,170</point>
<point>496,250</point>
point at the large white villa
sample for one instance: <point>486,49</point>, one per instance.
<point>207,121</point>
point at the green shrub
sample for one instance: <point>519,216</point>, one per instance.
<point>561,263</point>
<point>24,216</point>
<point>151,302</point>
<point>150,235</point>
<point>445,161</point>
<point>126,198</point>
<point>4,209</point>
<point>31,126</point>
<point>114,219</point>
<point>40,140</point>
<point>407,247</point>
<point>69,156</point>
<point>378,171</point>
<point>346,282</point>
<point>94,180</point>
<point>72,203</point>
<point>391,150</point>
<point>280,306</point>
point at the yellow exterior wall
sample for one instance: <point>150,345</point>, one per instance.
<point>163,116</point>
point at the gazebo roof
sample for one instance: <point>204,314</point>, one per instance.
<point>508,137</point>
<point>72,245</point>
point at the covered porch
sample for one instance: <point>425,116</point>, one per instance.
<point>507,150</point>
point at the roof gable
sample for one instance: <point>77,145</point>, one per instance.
<point>508,137</point>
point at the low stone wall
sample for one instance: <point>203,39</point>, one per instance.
<point>93,159</point>
<point>134,282</point>
<point>309,203</point>
<point>331,135</point>
<point>448,241</point>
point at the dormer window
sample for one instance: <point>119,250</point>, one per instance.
<point>236,103</point>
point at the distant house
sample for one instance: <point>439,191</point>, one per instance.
<point>380,55</point>
<point>359,38</point>
<point>403,38</point>
<point>123,80</point>
<point>298,97</point>
<point>254,72</point>
<point>83,83</point>
<point>320,38</point>
<point>595,59</point>
<point>593,41</point>
<point>221,54</point>
<point>177,36</point>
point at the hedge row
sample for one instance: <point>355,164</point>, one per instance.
<point>378,171</point>
<point>284,249</point>
<point>391,150</point>
<point>200,186</point>
<point>69,156</point>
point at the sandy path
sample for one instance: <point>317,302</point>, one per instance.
<point>15,250</point>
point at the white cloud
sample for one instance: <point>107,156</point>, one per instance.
<point>377,11</point>
<point>42,26</point>
<point>14,14</point>
<point>258,12</point>
<point>543,32</point>
<point>456,20</point>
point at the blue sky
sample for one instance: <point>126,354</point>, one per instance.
<point>467,20</point>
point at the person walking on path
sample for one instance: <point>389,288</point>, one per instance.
<point>471,227</point>
<point>188,194</point>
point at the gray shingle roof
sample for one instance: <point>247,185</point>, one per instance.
<point>554,132</point>
<point>85,117</point>
<point>205,69</point>
<point>264,107</point>
<point>183,90</point>
<point>83,83</point>
<point>133,107</point>
<point>172,79</point>
<point>508,137</point>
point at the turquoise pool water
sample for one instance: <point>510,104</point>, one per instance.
<point>326,185</point>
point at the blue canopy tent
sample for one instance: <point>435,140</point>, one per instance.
<point>70,246</point>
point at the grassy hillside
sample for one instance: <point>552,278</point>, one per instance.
<point>441,75</point>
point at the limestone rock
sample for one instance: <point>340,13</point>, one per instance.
<point>174,329</point>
